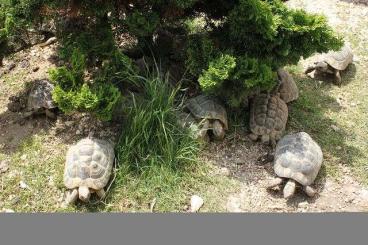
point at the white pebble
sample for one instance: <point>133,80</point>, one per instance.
<point>196,202</point>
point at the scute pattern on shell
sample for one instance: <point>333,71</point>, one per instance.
<point>298,157</point>
<point>204,106</point>
<point>268,116</point>
<point>341,59</point>
<point>89,163</point>
<point>288,89</point>
<point>40,95</point>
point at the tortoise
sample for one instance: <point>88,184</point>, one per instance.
<point>268,117</point>
<point>333,63</point>
<point>210,114</point>
<point>287,88</point>
<point>36,99</point>
<point>40,99</point>
<point>88,168</point>
<point>298,158</point>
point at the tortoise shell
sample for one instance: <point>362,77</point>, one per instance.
<point>89,163</point>
<point>40,95</point>
<point>298,157</point>
<point>268,115</point>
<point>341,59</point>
<point>206,107</point>
<point>288,89</point>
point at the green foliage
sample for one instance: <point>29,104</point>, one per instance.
<point>73,93</point>
<point>234,51</point>
<point>233,79</point>
<point>200,50</point>
<point>152,135</point>
<point>142,25</point>
<point>218,71</point>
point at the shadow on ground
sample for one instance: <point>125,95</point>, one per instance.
<point>361,2</point>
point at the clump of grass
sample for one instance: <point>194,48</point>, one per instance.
<point>152,134</point>
<point>156,156</point>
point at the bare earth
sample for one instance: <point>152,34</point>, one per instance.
<point>237,157</point>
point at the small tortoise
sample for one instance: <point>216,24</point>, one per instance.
<point>298,158</point>
<point>36,99</point>
<point>268,117</point>
<point>211,114</point>
<point>287,88</point>
<point>88,168</point>
<point>333,63</point>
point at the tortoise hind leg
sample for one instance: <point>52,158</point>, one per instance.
<point>289,188</point>
<point>310,191</point>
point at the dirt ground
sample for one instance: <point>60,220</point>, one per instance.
<point>236,158</point>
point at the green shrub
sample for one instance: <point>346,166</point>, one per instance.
<point>73,93</point>
<point>258,36</point>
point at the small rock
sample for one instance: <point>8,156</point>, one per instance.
<point>7,210</point>
<point>303,205</point>
<point>4,166</point>
<point>69,123</point>
<point>353,104</point>
<point>24,64</point>
<point>225,171</point>
<point>35,69</point>
<point>364,194</point>
<point>196,202</point>
<point>23,185</point>
<point>78,132</point>
<point>23,157</point>
<point>335,128</point>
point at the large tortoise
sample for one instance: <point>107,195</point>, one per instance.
<point>88,168</point>
<point>268,118</point>
<point>298,158</point>
<point>211,114</point>
<point>333,63</point>
<point>287,89</point>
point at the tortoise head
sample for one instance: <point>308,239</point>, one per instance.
<point>322,66</point>
<point>84,193</point>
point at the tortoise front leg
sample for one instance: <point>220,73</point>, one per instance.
<point>274,182</point>
<point>71,197</point>
<point>101,193</point>
<point>310,191</point>
<point>289,188</point>
<point>50,114</point>
<point>218,130</point>
<point>338,77</point>
<point>203,132</point>
<point>253,137</point>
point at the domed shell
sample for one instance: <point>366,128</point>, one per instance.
<point>89,163</point>
<point>298,157</point>
<point>204,106</point>
<point>268,115</point>
<point>288,89</point>
<point>40,95</point>
<point>340,59</point>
